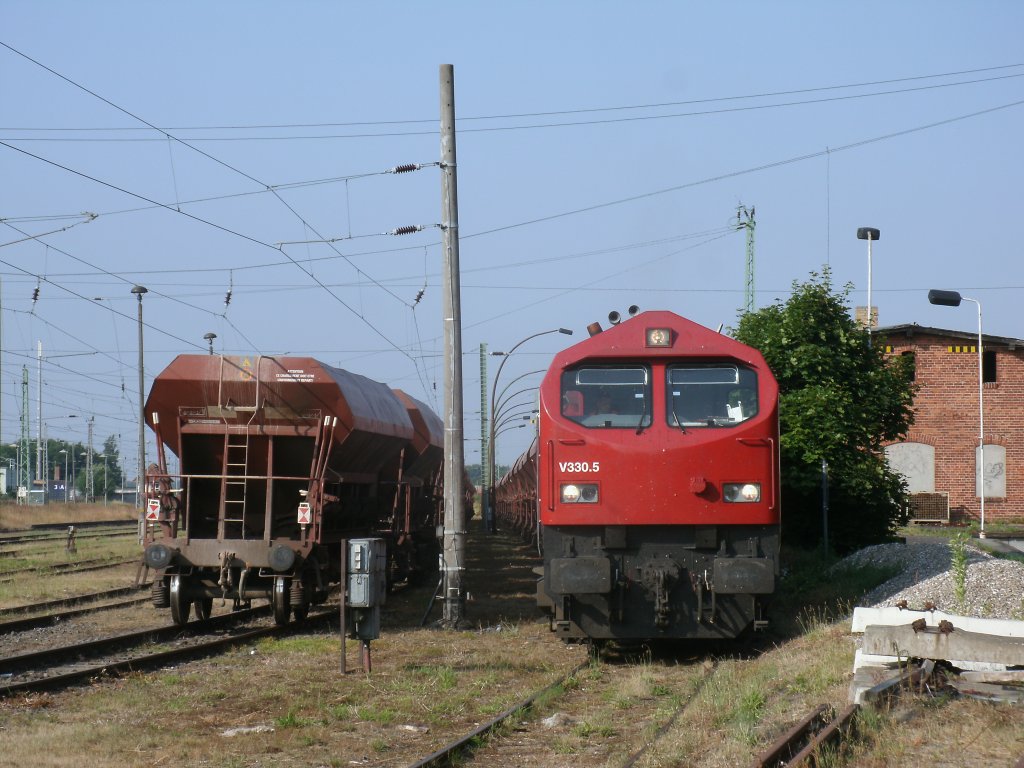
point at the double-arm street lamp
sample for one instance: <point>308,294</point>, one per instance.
<point>953,299</point>
<point>489,490</point>
<point>65,478</point>
<point>17,471</point>
<point>45,449</point>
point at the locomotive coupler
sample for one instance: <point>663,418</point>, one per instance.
<point>658,577</point>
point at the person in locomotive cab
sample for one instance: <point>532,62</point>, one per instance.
<point>603,404</point>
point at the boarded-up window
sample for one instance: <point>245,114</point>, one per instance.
<point>995,471</point>
<point>916,462</point>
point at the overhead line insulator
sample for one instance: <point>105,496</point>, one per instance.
<point>406,168</point>
<point>407,230</point>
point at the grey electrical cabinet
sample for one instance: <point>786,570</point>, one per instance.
<point>367,586</point>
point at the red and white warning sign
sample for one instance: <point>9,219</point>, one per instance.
<point>153,509</point>
<point>304,514</point>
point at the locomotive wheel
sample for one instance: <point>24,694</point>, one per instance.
<point>204,606</point>
<point>281,600</point>
<point>180,603</point>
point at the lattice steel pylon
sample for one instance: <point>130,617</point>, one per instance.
<point>745,219</point>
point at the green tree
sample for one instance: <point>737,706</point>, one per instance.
<point>106,471</point>
<point>476,472</point>
<point>839,400</point>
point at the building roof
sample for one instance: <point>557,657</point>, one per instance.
<point>913,329</point>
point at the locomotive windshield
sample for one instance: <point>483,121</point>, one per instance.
<point>710,395</point>
<point>608,397</point>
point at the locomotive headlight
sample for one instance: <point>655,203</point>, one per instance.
<point>582,493</point>
<point>739,493</point>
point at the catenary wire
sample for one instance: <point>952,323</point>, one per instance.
<point>228,166</point>
<point>553,113</point>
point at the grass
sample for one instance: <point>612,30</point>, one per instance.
<point>429,686</point>
<point>958,565</point>
<point>30,587</point>
<point>806,598</point>
<point>14,517</point>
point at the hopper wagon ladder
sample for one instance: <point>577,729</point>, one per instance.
<point>235,469</point>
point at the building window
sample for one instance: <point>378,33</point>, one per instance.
<point>988,365</point>
<point>911,363</point>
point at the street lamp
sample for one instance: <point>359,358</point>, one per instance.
<point>953,299</point>
<point>88,479</point>
<point>511,422</point>
<point>510,427</point>
<point>104,457</point>
<point>44,442</point>
<point>489,490</point>
<point>140,291</point>
<point>871,235</point>
<point>65,452</point>
<point>209,338</point>
<point>17,472</point>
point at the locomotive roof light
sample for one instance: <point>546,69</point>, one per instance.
<point>658,337</point>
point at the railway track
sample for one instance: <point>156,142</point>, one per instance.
<point>50,538</point>
<point>69,602</point>
<point>513,738</point>
<point>57,668</point>
<point>804,742</point>
<point>48,619</point>
<point>80,566</point>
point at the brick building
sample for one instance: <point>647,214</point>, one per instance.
<point>938,458</point>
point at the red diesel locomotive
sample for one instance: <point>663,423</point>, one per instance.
<point>281,458</point>
<point>656,483</point>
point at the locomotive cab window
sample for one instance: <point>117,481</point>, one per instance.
<point>608,397</point>
<point>710,395</point>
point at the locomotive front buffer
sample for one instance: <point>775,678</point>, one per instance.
<point>599,588</point>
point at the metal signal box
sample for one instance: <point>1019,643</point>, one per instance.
<point>367,585</point>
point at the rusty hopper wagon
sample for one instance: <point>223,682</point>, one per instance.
<point>279,460</point>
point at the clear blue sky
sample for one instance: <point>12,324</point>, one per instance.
<point>603,149</point>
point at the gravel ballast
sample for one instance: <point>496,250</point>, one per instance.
<point>994,586</point>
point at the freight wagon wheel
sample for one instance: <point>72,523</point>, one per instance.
<point>180,604</point>
<point>281,600</point>
<point>204,606</point>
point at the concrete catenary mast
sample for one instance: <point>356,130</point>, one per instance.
<point>454,538</point>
